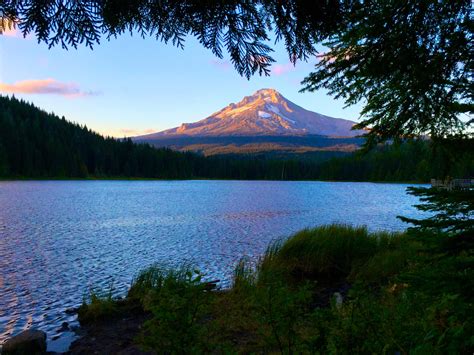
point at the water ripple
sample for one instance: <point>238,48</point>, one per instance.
<point>60,239</point>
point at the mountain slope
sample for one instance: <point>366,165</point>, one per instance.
<point>266,112</point>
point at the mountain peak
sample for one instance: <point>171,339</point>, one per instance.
<point>265,112</point>
<point>266,92</point>
<point>260,97</point>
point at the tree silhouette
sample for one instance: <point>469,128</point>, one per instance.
<point>240,27</point>
<point>410,62</point>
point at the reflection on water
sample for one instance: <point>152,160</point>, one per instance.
<point>58,239</point>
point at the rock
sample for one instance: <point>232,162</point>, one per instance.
<point>70,310</point>
<point>338,298</point>
<point>27,342</point>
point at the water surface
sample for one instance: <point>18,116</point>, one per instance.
<point>58,239</point>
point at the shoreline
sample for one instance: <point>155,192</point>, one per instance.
<point>206,179</point>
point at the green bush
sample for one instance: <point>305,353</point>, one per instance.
<point>396,320</point>
<point>179,304</point>
<point>281,311</point>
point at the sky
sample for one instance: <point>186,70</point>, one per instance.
<point>130,86</point>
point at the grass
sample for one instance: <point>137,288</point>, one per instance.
<point>97,306</point>
<point>326,253</point>
<point>407,295</point>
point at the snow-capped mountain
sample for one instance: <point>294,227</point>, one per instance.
<point>265,113</point>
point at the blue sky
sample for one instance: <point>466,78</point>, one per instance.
<point>129,85</point>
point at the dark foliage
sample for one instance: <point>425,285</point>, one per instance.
<point>400,294</point>
<point>239,27</point>
<point>453,210</point>
<point>413,160</point>
<point>410,62</point>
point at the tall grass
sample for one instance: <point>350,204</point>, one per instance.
<point>324,253</point>
<point>157,277</point>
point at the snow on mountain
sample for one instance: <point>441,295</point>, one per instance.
<point>266,112</point>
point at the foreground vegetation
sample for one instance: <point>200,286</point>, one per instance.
<point>331,289</point>
<point>36,144</point>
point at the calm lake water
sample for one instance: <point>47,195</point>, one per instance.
<point>58,239</point>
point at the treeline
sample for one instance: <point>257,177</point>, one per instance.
<point>37,144</point>
<point>416,160</point>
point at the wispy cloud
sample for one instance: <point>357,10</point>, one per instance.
<point>10,29</point>
<point>130,132</point>
<point>11,32</point>
<point>221,64</point>
<point>281,69</point>
<point>46,87</point>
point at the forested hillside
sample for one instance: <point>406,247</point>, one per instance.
<point>34,143</point>
<point>411,161</point>
<point>37,144</point>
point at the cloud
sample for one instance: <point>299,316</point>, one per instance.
<point>221,64</point>
<point>45,87</point>
<point>9,29</point>
<point>15,33</point>
<point>130,132</point>
<point>11,32</point>
<point>281,69</point>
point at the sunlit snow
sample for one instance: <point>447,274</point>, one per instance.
<point>264,114</point>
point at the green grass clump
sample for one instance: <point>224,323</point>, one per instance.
<point>324,253</point>
<point>244,277</point>
<point>380,267</point>
<point>97,306</point>
<point>280,293</point>
<point>151,279</point>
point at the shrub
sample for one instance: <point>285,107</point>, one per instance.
<point>281,311</point>
<point>179,304</point>
<point>409,293</point>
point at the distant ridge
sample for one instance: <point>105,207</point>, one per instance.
<point>265,113</point>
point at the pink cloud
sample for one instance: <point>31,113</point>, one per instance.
<point>221,64</point>
<point>46,87</point>
<point>11,32</point>
<point>130,132</point>
<point>10,29</point>
<point>280,69</point>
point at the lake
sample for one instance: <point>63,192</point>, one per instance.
<point>59,239</point>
